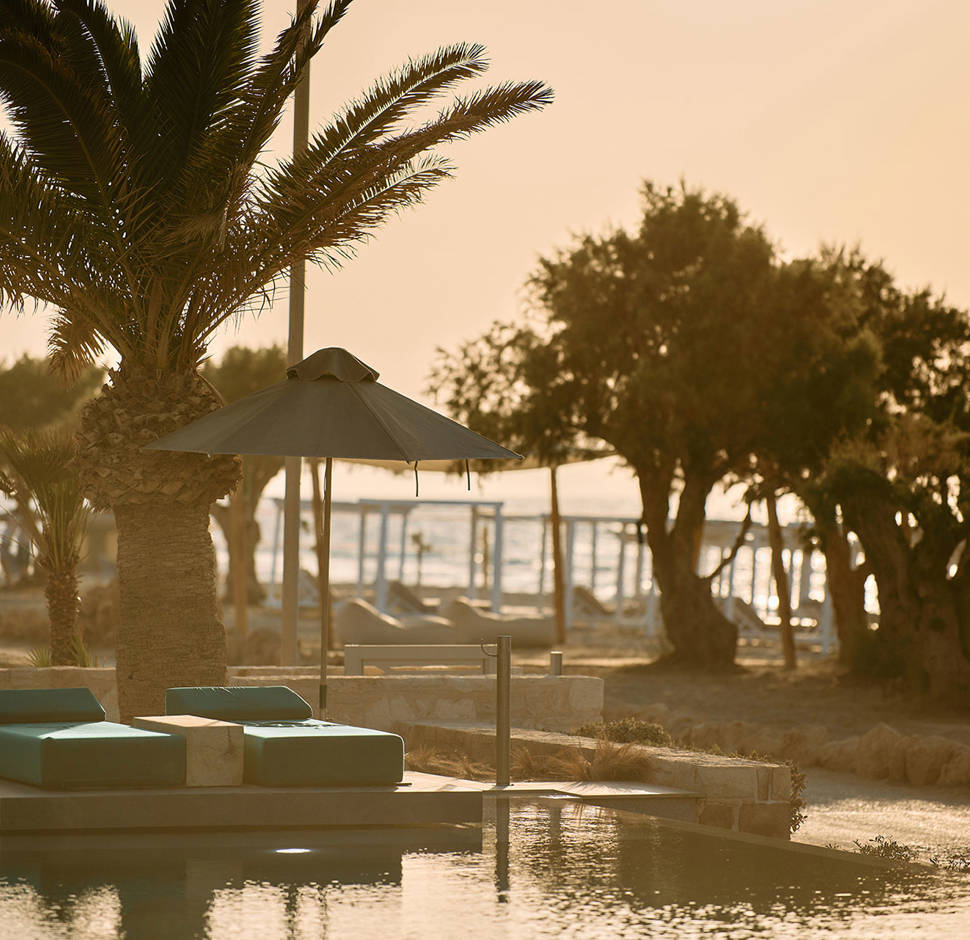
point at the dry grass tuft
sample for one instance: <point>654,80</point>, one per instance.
<point>430,760</point>
<point>609,762</point>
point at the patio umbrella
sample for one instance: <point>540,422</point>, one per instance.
<point>331,405</point>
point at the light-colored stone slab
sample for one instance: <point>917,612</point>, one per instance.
<point>213,749</point>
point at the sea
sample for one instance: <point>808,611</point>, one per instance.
<point>431,543</point>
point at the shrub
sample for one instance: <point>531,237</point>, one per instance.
<point>627,731</point>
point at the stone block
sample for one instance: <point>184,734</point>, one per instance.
<point>875,752</point>
<point>926,757</point>
<point>765,819</point>
<point>780,783</point>
<point>718,813</point>
<point>672,771</point>
<point>213,749</point>
<point>956,771</point>
<point>839,755</point>
<point>764,782</point>
<point>732,779</point>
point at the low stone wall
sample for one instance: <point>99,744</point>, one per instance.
<point>881,753</point>
<point>558,702</point>
<point>741,795</point>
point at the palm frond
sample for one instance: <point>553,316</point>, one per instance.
<point>73,344</point>
<point>42,473</point>
<point>67,124</point>
<point>195,74</point>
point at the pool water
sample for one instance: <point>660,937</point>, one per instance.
<point>551,868</point>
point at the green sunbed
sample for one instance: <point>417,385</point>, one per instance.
<point>284,746</point>
<point>58,739</point>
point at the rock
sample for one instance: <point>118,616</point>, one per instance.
<point>956,771</point>
<point>839,755</point>
<point>926,757</point>
<point>803,744</point>
<point>877,751</point>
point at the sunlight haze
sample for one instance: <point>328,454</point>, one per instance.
<point>828,121</point>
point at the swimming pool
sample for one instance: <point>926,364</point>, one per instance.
<point>565,870</point>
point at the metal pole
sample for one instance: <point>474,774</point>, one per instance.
<point>503,712</point>
<point>540,598</point>
<point>569,574</point>
<point>361,551</point>
<point>555,663</point>
<point>325,586</point>
<point>294,353</point>
<point>498,537</point>
<point>472,549</point>
<point>381,585</point>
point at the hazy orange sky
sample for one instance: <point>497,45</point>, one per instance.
<point>838,121</point>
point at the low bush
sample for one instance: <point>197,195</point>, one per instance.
<point>627,731</point>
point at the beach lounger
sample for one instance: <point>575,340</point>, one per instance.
<point>284,746</point>
<point>58,739</point>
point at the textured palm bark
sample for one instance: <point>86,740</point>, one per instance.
<point>700,634</point>
<point>171,634</point>
<point>62,608</point>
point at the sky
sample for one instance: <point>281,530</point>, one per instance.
<point>836,121</point>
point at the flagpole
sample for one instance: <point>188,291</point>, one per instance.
<point>294,353</point>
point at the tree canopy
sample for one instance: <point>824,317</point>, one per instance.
<point>31,397</point>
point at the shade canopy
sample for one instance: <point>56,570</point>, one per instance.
<point>331,405</point>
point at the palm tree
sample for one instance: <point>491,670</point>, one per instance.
<point>135,204</point>
<point>43,481</point>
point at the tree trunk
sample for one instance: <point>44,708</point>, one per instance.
<point>238,555</point>
<point>700,634</point>
<point>62,608</point>
<point>782,585</point>
<point>944,640</point>
<point>558,586</point>
<point>255,592</point>
<point>890,652</point>
<point>170,633</point>
<point>846,587</point>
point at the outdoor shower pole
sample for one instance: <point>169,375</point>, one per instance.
<point>503,711</point>
<point>294,353</point>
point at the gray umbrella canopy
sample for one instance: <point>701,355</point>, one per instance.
<point>331,405</point>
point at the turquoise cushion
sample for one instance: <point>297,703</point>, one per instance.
<point>99,754</point>
<point>321,754</point>
<point>238,703</point>
<point>26,706</point>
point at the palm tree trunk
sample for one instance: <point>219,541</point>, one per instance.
<point>170,633</point>
<point>62,607</point>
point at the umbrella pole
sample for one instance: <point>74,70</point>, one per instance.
<point>325,586</point>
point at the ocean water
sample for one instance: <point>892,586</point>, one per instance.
<point>607,491</point>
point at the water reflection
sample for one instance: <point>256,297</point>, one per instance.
<point>164,886</point>
<point>547,869</point>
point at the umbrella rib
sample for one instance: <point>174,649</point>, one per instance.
<point>379,419</point>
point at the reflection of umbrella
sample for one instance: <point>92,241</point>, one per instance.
<point>331,405</point>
